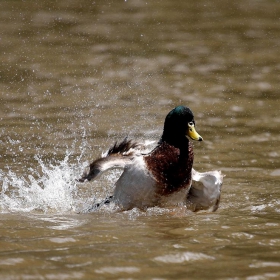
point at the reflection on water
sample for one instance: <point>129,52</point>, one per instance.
<point>77,75</point>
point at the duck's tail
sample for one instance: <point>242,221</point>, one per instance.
<point>118,156</point>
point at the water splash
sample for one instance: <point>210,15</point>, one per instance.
<point>51,187</point>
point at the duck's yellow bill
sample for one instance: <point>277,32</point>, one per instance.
<point>192,133</point>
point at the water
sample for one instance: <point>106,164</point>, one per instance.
<point>77,76</point>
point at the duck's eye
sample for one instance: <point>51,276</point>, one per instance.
<point>190,125</point>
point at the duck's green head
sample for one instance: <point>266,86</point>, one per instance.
<point>178,124</point>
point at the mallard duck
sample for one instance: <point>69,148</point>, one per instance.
<point>163,176</point>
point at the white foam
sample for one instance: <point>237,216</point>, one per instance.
<point>51,187</point>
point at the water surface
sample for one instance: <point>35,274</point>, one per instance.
<point>75,76</point>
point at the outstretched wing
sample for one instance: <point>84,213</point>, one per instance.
<point>118,156</point>
<point>205,190</point>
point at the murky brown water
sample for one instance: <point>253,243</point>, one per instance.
<point>75,76</point>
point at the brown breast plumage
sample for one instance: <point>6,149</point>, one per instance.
<point>170,167</point>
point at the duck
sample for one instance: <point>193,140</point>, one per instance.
<point>162,175</point>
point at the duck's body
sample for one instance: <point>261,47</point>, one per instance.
<point>162,177</point>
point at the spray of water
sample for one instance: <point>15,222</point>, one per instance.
<point>50,187</point>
